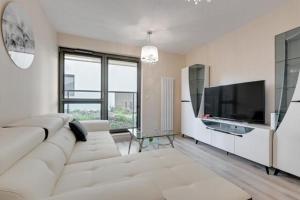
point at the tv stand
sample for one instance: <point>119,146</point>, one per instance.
<point>250,141</point>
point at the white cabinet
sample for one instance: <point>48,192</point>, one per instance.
<point>188,121</point>
<point>185,88</point>
<point>255,144</point>
<point>193,81</point>
<point>286,149</point>
<point>250,141</point>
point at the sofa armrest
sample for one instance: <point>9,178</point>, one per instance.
<point>96,125</point>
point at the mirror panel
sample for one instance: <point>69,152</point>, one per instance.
<point>196,81</point>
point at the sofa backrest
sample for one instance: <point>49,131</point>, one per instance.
<point>50,124</point>
<point>16,143</point>
<point>65,140</point>
<point>30,166</point>
<point>34,176</point>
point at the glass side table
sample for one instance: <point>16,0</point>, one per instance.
<point>140,136</point>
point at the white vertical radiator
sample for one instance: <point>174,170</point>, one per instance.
<point>167,103</point>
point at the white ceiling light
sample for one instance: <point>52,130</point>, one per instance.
<point>149,52</point>
<point>198,1</point>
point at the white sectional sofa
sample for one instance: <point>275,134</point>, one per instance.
<point>40,160</point>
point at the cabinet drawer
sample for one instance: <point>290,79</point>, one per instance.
<point>222,141</point>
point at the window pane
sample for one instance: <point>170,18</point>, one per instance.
<point>122,102</point>
<point>83,111</point>
<point>122,110</point>
<point>122,76</point>
<point>82,78</point>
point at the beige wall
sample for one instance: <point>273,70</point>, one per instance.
<point>248,54</point>
<point>169,65</point>
<point>32,91</point>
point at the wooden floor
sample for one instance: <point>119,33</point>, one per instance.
<point>247,175</point>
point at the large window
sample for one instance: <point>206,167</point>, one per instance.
<point>100,86</point>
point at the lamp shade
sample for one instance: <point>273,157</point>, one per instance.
<point>149,54</point>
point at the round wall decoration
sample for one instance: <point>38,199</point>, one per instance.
<point>18,35</point>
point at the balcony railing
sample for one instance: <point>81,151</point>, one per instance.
<point>122,109</point>
<point>82,94</point>
<point>86,105</point>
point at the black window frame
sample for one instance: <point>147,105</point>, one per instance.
<point>105,57</point>
<point>73,84</point>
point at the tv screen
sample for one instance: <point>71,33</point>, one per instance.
<point>242,102</point>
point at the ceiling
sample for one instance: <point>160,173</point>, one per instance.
<point>178,26</point>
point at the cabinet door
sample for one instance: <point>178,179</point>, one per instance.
<point>261,139</point>
<point>286,141</point>
<point>202,133</point>
<point>185,89</point>
<point>223,141</point>
<point>187,119</point>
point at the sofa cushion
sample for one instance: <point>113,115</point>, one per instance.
<point>99,145</point>
<point>50,124</point>
<point>16,143</point>
<point>213,188</point>
<point>123,190</point>
<point>34,176</point>
<point>144,166</point>
<point>167,170</point>
<point>66,117</point>
<point>65,140</point>
<point>78,130</point>
<point>96,125</point>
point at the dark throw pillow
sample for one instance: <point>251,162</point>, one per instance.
<point>78,130</point>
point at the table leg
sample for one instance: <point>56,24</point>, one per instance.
<point>131,137</point>
<point>141,145</point>
<point>171,141</point>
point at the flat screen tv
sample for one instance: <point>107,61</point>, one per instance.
<point>242,102</point>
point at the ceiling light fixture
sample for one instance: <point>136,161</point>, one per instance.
<point>198,1</point>
<point>149,52</point>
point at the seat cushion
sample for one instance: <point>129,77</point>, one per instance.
<point>123,190</point>
<point>214,188</point>
<point>166,170</point>
<point>99,145</point>
<point>123,168</point>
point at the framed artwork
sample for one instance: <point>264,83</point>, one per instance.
<point>18,35</point>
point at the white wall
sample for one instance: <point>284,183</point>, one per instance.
<point>32,91</point>
<point>169,65</point>
<point>248,53</point>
